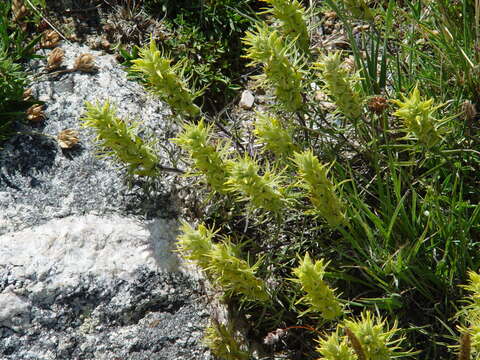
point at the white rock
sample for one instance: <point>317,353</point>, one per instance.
<point>246,102</point>
<point>66,248</point>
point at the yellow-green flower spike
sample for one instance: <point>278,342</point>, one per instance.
<point>291,15</point>
<point>221,263</point>
<point>339,85</point>
<point>221,341</point>
<point>321,191</point>
<point>319,296</point>
<point>207,158</point>
<point>471,314</point>
<point>335,347</point>
<point>166,80</point>
<point>417,117</point>
<point>474,287</point>
<point>117,138</point>
<point>196,244</point>
<point>234,275</point>
<point>262,191</point>
<point>275,137</point>
<point>378,341</point>
<point>283,73</point>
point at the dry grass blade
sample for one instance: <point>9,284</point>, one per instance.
<point>465,347</point>
<point>357,347</point>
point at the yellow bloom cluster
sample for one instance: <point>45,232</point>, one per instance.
<point>166,80</point>
<point>262,191</point>
<point>335,347</point>
<point>339,85</point>
<point>471,314</point>
<point>275,137</point>
<point>319,296</point>
<point>282,69</point>
<point>221,341</point>
<point>320,189</point>
<point>207,158</point>
<point>291,15</point>
<point>221,263</point>
<point>375,338</point>
<point>417,117</point>
<point>117,138</point>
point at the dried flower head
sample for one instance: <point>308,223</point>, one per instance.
<point>19,10</point>
<point>377,104</point>
<point>35,113</point>
<point>85,63</point>
<point>469,110</point>
<point>50,39</point>
<point>55,59</point>
<point>27,94</point>
<point>68,138</point>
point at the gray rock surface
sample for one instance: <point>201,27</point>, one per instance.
<point>86,268</point>
<point>97,288</point>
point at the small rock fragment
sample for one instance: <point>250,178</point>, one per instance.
<point>246,102</point>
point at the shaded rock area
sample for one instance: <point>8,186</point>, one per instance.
<point>86,263</point>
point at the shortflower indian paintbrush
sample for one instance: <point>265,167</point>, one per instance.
<point>321,191</point>
<point>262,191</point>
<point>377,340</point>
<point>417,115</point>
<point>280,63</point>
<point>221,341</point>
<point>166,80</point>
<point>221,263</point>
<point>274,136</point>
<point>117,138</point>
<point>335,347</point>
<point>339,85</point>
<point>293,25</point>
<point>319,297</point>
<point>207,158</point>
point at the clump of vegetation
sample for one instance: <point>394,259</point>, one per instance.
<point>206,36</point>
<point>16,46</point>
<point>384,189</point>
